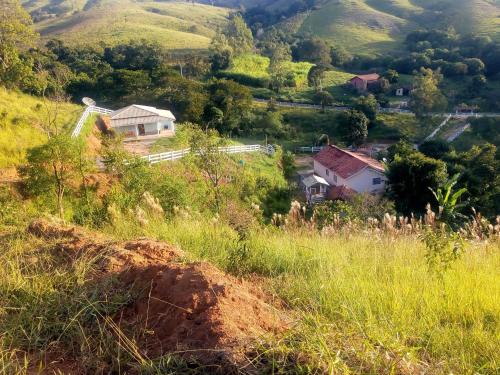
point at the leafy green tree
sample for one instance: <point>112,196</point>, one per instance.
<point>314,50</point>
<point>212,117</point>
<point>426,96</point>
<point>481,176</point>
<point>53,166</point>
<point>238,34</point>
<point>391,75</point>
<point>355,127</point>
<point>410,177</point>
<point>316,76</point>
<point>340,56</point>
<point>234,100</point>
<point>324,99</point>
<point>205,148</point>
<point>187,98</point>
<point>478,83</point>
<point>16,36</point>
<point>280,74</point>
<point>368,105</point>
<point>475,66</point>
<point>435,148</point>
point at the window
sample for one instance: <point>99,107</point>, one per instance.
<point>327,172</point>
<point>314,191</point>
<point>335,178</point>
<point>377,181</point>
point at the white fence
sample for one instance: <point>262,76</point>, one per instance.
<point>91,109</point>
<point>179,154</point>
<point>312,149</point>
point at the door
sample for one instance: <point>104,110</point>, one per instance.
<point>141,129</point>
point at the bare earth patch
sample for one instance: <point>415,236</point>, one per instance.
<point>192,310</point>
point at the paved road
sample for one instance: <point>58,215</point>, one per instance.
<point>383,110</point>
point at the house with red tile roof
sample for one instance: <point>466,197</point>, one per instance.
<point>363,82</point>
<point>354,172</point>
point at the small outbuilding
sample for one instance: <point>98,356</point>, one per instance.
<point>363,82</point>
<point>315,188</point>
<point>140,121</point>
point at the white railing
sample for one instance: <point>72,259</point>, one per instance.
<point>179,154</point>
<point>311,149</point>
<point>432,135</point>
<point>91,109</point>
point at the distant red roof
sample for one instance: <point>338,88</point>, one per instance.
<point>368,77</point>
<point>346,163</point>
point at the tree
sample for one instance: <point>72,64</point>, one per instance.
<point>316,76</point>
<point>314,50</point>
<point>187,98</point>
<point>391,75</point>
<point>280,76</point>
<point>410,177</point>
<point>205,148</point>
<point>340,56</point>
<point>239,36</point>
<point>475,66</point>
<point>324,99</point>
<point>368,105</point>
<point>426,96</point>
<point>355,127</point>
<point>435,148</point>
<point>478,83</point>
<point>212,117</point>
<point>234,100</point>
<point>53,166</point>
<point>16,36</point>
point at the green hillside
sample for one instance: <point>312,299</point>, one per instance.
<point>21,117</point>
<point>366,26</point>
<point>174,24</point>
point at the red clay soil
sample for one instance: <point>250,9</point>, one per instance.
<point>193,310</point>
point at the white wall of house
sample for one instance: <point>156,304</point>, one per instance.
<point>167,125</point>
<point>150,129</point>
<point>332,178</point>
<point>363,182</point>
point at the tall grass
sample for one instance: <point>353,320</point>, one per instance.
<point>368,302</point>
<point>21,117</point>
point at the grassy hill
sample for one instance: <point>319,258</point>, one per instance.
<point>368,26</point>
<point>174,24</point>
<point>20,119</point>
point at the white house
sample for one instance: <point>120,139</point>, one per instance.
<point>352,171</point>
<point>137,121</point>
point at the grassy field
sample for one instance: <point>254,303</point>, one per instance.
<point>20,124</point>
<point>176,25</point>
<point>379,26</point>
<point>256,66</point>
<point>369,305</point>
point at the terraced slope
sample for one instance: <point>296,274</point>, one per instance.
<point>176,25</point>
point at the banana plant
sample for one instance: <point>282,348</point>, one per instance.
<point>448,201</point>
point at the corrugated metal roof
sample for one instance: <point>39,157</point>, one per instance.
<point>313,180</point>
<point>139,114</point>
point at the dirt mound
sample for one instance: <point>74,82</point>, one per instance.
<point>193,310</point>
<point>197,311</point>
